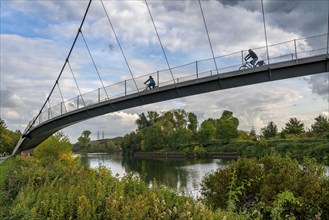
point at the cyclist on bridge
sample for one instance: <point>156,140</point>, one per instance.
<point>252,55</point>
<point>151,83</point>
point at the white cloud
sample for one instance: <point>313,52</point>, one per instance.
<point>325,114</point>
<point>10,114</point>
<point>37,35</point>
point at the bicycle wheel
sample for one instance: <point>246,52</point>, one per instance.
<point>243,67</point>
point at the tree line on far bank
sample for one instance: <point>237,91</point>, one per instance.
<point>86,145</point>
<point>178,131</point>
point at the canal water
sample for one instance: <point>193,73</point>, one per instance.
<point>181,174</point>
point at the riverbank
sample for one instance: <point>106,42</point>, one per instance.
<point>233,155</point>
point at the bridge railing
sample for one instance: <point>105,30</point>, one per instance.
<point>275,53</point>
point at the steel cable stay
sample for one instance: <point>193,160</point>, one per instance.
<point>69,54</point>
<point>60,92</point>
<point>119,44</point>
<point>163,50</point>
<point>76,83</point>
<point>80,94</point>
<point>99,76</point>
<point>50,113</point>
<point>268,59</point>
<point>209,40</point>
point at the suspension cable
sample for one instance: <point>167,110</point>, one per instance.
<point>49,109</point>
<point>76,37</point>
<point>60,92</point>
<point>76,83</point>
<point>163,51</point>
<point>99,76</point>
<point>205,25</point>
<point>268,59</point>
<point>117,39</point>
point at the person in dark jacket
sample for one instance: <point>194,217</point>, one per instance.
<point>151,83</point>
<point>252,55</point>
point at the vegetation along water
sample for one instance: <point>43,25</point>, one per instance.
<point>278,175</point>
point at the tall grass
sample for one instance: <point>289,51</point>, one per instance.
<point>65,190</point>
<point>5,168</point>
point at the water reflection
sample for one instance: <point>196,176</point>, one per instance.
<point>182,174</point>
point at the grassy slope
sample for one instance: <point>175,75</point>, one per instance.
<point>5,168</point>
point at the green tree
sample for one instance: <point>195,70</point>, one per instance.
<point>321,125</point>
<point>154,138</point>
<point>141,122</point>
<point>192,122</point>
<point>136,141</point>
<point>8,139</point>
<point>126,144</point>
<point>207,131</point>
<point>53,148</point>
<point>244,135</point>
<point>227,127</point>
<point>4,137</point>
<point>84,139</point>
<point>180,118</point>
<point>294,126</point>
<point>3,128</point>
<point>152,117</point>
<point>181,137</point>
<point>167,124</point>
<point>270,131</point>
<point>148,120</point>
<point>229,116</point>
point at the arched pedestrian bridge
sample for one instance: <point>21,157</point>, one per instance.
<point>215,73</point>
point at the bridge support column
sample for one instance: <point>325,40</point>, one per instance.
<point>125,88</point>
<point>295,51</point>
<point>197,71</point>
<point>99,95</point>
<point>270,73</point>
<point>158,78</point>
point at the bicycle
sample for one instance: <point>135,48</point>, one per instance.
<point>149,87</point>
<point>248,65</point>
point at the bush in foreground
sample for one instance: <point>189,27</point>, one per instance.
<point>83,193</point>
<point>271,187</point>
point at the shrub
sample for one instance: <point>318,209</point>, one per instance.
<point>251,185</point>
<point>199,151</point>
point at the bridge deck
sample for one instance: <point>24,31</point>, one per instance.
<point>277,71</point>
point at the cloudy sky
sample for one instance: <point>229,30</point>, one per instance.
<point>37,35</point>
